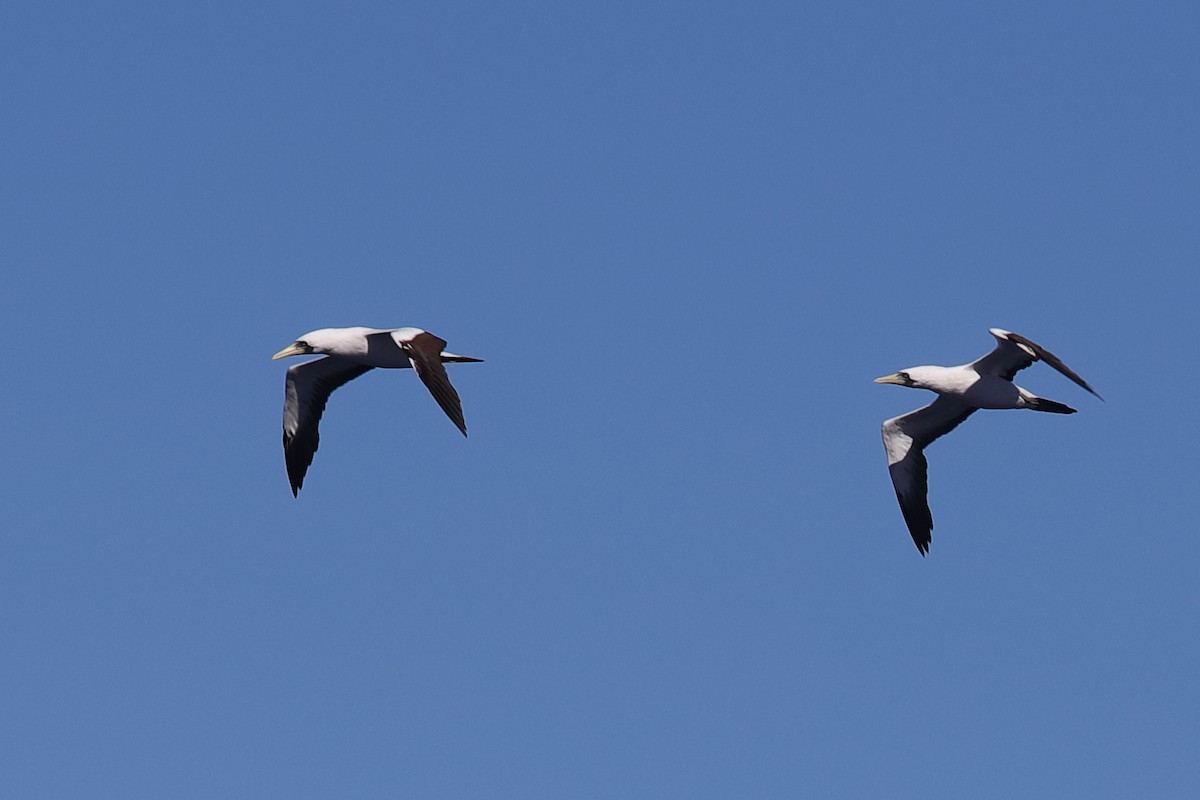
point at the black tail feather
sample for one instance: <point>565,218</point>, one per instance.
<point>1042,404</point>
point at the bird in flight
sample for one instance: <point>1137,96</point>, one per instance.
<point>348,353</point>
<point>984,383</point>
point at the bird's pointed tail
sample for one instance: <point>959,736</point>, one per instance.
<point>1042,404</point>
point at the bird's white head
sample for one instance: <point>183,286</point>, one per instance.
<point>913,377</point>
<point>314,342</point>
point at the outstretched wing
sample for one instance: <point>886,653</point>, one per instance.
<point>904,439</point>
<point>307,389</point>
<point>1014,353</point>
<point>425,352</point>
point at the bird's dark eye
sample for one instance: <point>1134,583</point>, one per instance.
<point>303,345</point>
<point>905,376</point>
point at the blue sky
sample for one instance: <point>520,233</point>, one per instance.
<point>668,562</point>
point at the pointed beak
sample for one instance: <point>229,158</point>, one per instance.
<point>895,378</point>
<point>292,349</point>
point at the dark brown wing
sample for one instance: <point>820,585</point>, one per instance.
<point>1053,360</point>
<point>1006,359</point>
<point>425,352</point>
<point>1014,353</point>
<point>306,391</point>
<point>904,439</point>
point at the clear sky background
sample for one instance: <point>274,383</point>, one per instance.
<point>668,562</point>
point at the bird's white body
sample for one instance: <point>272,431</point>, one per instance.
<point>975,389</point>
<point>361,345</point>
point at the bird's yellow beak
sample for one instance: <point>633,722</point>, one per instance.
<point>292,349</point>
<point>895,378</point>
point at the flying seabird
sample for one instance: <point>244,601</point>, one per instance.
<point>984,383</point>
<point>349,352</point>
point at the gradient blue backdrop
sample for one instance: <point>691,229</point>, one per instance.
<point>668,561</point>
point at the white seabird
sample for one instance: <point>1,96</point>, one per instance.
<point>984,383</point>
<point>349,352</point>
